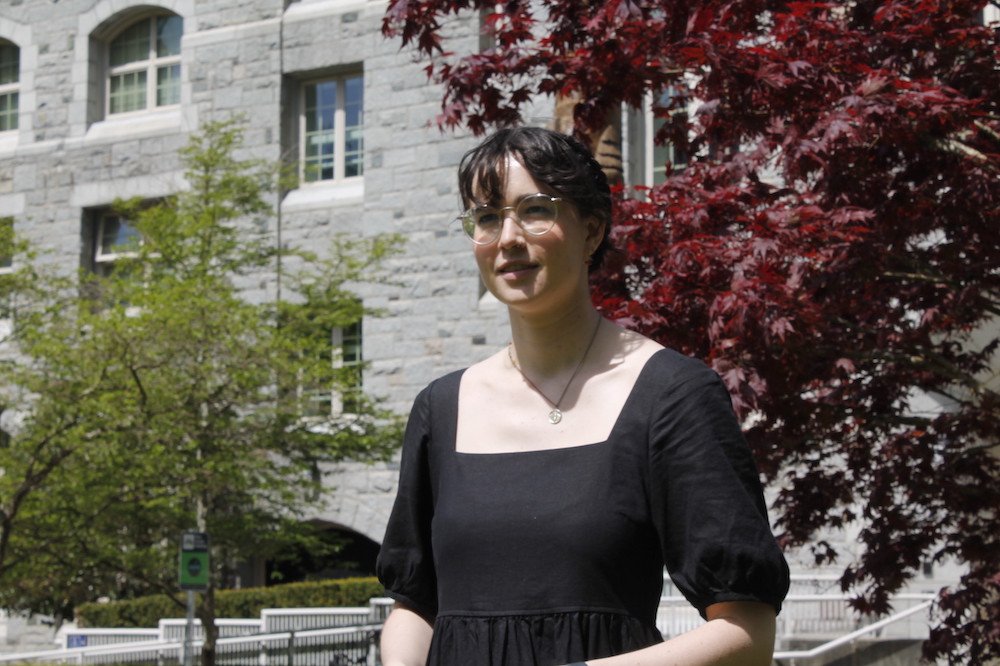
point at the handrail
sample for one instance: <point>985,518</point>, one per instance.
<point>853,636</point>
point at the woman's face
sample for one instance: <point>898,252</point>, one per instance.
<point>528,271</point>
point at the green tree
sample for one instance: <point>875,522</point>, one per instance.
<point>159,398</point>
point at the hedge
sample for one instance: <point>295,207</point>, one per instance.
<point>147,611</point>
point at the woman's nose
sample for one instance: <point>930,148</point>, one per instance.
<point>511,233</point>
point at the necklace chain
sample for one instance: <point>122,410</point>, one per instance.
<point>555,415</point>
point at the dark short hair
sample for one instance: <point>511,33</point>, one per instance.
<point>555,159</point>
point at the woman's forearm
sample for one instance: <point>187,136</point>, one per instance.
<point>737,634</point>
<point>406,638</point>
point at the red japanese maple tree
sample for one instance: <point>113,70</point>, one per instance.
<point>832,249</point>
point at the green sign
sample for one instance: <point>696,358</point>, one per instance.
<point>194,561</point>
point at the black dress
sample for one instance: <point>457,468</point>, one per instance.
<point>541,558</point>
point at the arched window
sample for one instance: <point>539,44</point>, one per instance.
<point>144,65</point>
<point>10,76</point>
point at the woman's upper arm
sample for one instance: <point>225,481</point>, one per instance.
<point>706,499</point>
<point>406,637</point>
<point>405,564</point>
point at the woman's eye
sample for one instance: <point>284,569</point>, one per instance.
<point>487,218</point>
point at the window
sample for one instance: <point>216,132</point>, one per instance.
<point>351,362</point>
<point>144,65</point>
<point>114,235</point>
<point>331,129</point>
<point>10,68</point>
<point>109,241</point>
<point>674,99</point>
<point>650,166</point>
<point>347,359</point>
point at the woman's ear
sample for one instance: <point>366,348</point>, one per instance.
<point>595,234</point>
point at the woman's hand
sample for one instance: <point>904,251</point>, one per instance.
<point>406,638</point>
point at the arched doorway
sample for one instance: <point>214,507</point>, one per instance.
<point>343,553</point>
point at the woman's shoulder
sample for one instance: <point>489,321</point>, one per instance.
<point>655,367</point>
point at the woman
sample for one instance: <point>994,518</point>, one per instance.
<point>543,490</point>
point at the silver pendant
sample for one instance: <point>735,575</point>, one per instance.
<point>555,416</point>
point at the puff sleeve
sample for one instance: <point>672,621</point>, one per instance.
<point>706,499</point>
<point>405,564</point>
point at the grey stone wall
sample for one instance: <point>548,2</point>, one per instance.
<point>248,58</point>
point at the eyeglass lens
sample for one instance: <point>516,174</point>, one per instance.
<point>536,215</point>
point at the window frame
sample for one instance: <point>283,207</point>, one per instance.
<point>11,91</point>
<point>150,67</point>
<point>340,132</point>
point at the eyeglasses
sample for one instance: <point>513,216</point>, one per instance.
<point>535,214</point>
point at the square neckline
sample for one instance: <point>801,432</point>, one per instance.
<point>453,423</point>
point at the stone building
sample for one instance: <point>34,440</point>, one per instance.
<point>96,97</point>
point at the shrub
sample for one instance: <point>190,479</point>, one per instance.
<point>147,611</point>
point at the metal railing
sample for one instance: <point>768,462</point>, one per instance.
<point>340,646</point>
<point>297,619</point>
<point>173,628</point>
<point>880,629</point>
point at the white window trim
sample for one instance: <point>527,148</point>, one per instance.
<point>321,194</point>
<point>150,66</point>
<point>339,132</point>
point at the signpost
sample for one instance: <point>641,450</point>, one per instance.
<point>194,561</point>
<point>194,571</point>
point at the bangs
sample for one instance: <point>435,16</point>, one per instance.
<point>484,177</point>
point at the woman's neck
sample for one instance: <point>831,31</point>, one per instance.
<point>553,344</point>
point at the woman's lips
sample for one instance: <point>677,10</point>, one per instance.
<point>513,270</point>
